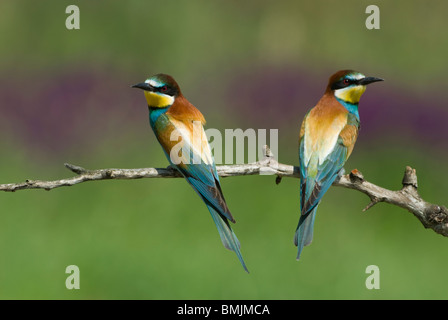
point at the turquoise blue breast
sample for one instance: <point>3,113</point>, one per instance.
<point>154,115</point>
<point>352,108</point>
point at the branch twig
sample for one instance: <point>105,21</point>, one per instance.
<point>430,215</point>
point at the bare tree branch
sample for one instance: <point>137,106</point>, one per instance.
<point>430,215</point>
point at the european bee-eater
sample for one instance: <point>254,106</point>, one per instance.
<point>327,137</point>
<point>171,117</point>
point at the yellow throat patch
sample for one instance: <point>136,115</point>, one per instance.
<point>350,94</point>
<point>158,100</point>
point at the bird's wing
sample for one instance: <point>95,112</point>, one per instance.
<point>198,168</point>
<point>302,162</point>
<point>326,140</point>
<point>321,175</point>
<point>197,165</point>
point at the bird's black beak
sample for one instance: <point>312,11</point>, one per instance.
<point>144,86</point>
<point>367,80</point>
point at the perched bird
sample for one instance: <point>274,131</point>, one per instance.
<point>327,137</point>
<point>172,117</point>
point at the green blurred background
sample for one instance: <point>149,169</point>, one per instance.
<point>65,96</point>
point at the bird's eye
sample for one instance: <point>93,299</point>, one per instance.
<point>164,89</point>
<point>346,81</point>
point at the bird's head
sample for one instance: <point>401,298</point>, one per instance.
<point>349,85</point>
<point>160,90</point>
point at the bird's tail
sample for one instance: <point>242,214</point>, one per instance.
<point>304,231</point>
<point>228,237</point>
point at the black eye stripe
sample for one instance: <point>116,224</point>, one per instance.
<point>341,83</point>
<point>166,90</point>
